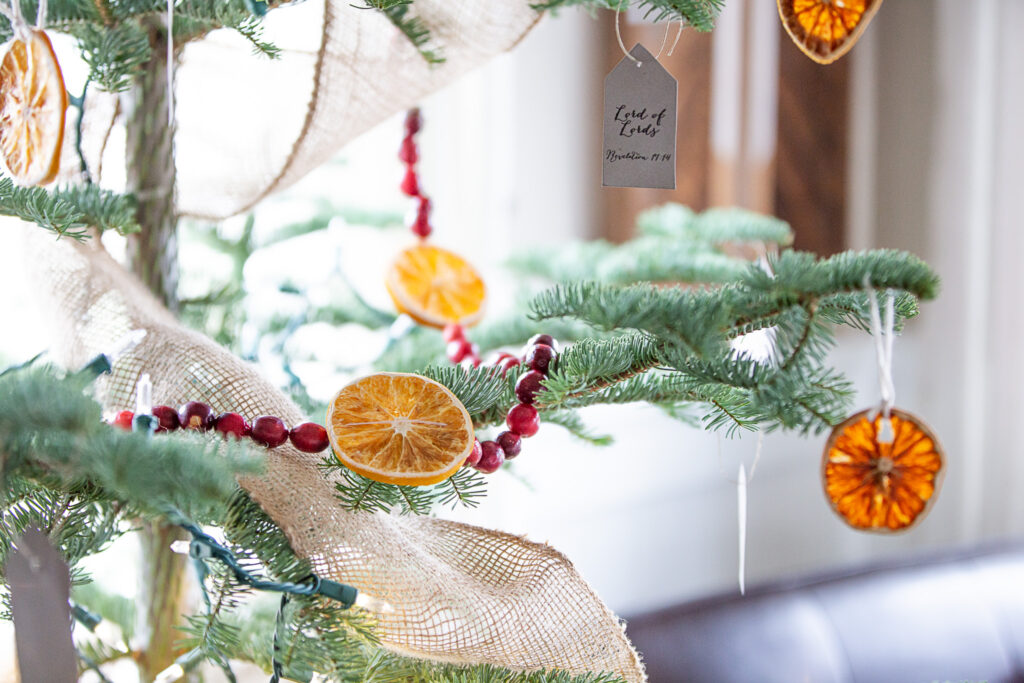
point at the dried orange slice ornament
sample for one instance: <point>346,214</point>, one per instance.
<point>399,428</point>
<point>436,287</point>
<point>877,486</point>
<point>33,102</point>
<point>825,30</point>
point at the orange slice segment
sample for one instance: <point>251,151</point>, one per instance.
<point>436,287</point>
<point>825,30</point>
<point>399,428</point>
<point>33,102</point>
<point>876,486</point>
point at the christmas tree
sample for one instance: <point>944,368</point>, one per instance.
<point>652,320</point>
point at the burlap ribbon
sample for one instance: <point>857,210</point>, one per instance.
<point>460,593</point>
<point>248,126</point>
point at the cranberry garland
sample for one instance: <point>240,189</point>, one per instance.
<point>408,153</point>
<point>265,430</point>
<point>522,419</point>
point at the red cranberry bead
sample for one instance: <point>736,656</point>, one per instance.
<point>545,339</point>
<point>511,444</point>
<point>539,358</point>
<point>459,350</point>
<point>309,437</point>
<point>269,431</point>
<point>167,419</point>
<point>195,415</point>
<point>491,457</point>
<point>408,153</point>
<point>232,424</point>
<point>413,121</point>
<point>453,332</point>
<point>507,364</point>
<point>421,223</point>
<point>528,386</point>
<point>421,226</point>
<point>474,455</point>
<point>523,420</point>
<point>410,183</point>
<point>124,420</point>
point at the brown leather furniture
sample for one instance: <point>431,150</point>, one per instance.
<point>952,618</point>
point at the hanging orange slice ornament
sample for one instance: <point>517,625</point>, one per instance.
<point>33,102</point>
<point>825,30</point>
<point>399,428</point>
<point>879,486</point>
<point>436,287</point>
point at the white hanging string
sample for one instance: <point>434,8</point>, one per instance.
<point>41,14</point>
<point>664,40</point>
<point>883,333</point>
<point>743,480</point>
<point>18,24</point>
<point>170,64</point>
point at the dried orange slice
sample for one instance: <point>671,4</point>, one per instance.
<point>436,287</point>
<point>33,102</point>
<point>825,30</point>
<point>876,486</point>
<point>399,428</point>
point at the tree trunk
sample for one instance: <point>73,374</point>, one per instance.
<point>153,254</point>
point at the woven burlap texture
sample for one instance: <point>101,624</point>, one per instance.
<point>460,593</point>
<point>248,126</point>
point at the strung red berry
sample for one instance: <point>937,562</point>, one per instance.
<point>507,364</point>
<point>523,420</point>
<point>528,386</point>
<point>232,424</point>
<point>421,226</point>
<point>511,444</point>
<point>539,358</point>
<point>413,121</point>
<point>309,437</point>
<point>167,419</point>
<point>269,431</point>
<point>491,457</point>
<point>410,183</point>
<point>460,349</point>
<point>124,420</point>
<point>471,361</point>
<point>195,415</point>
<point>545,339</point>
<point>474,455</point>
<point>408,153</point>
<point>453,332</point>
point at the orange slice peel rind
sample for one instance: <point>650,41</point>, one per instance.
<point>399,428</point>
<point>825,30</point>
<point>33,106</point>
<point>882,487</point>
<point>436,287</point>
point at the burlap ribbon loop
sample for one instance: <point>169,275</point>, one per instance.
<point>460,593</point>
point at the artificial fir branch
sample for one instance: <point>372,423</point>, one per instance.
<point>700,14</point>
<point>69,211</point>
<point>357,493</point>
<point>412,27</point>
<point>675,245</point>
